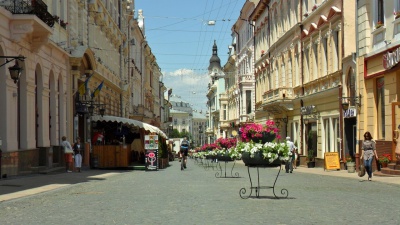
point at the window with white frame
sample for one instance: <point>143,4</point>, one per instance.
<point>331,134</point>
<point>380,13</point>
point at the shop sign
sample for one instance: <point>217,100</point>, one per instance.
<point>350,112</point>
<point>151,146</point>
<point>390,59</point>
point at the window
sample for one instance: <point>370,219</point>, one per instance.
<point>248,102</point>
<point>336,50</point>
<point>327,136</point>
<point>269,85</point>
<point>306,65</point>
<point>224,112</point>
<point>325,62</point>
<point>183,121</point>
<point>380,16</point>
<point>175,121</point>
<point>290,75</point>
<point>380,106</point>
<point>296,69</point>
<point>315,62</point>
<point>283,76</point>
<point>276,76</point>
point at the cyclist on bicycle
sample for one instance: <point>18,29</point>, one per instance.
<point>184,152</point>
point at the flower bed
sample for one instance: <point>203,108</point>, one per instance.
<point>254,131</point>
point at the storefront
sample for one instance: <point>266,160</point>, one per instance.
<point>381,87</point>
<point>119,142</point>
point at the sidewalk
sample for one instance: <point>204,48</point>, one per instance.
<point>21,186</point>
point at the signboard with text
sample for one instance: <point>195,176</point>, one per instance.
<point>151,146</point>
<point>332,161</point>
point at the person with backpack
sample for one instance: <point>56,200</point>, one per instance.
<point>184,152</point>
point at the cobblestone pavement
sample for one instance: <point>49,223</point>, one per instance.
<point>197,196</point>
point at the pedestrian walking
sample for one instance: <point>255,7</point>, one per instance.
<point>295,157</point>
<point>396,139</point>
<point>368,153</point>
<point>68,152</point>
<point>289,162</point>
<point>78,154</point>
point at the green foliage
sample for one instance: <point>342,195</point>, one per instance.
<point>310,155</point>
<point>162,147</point>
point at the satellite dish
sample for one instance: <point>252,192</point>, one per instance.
<point>234,133</point>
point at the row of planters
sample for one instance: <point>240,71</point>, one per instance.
<point>258,146</point>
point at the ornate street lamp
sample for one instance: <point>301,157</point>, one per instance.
<point>15,71</point>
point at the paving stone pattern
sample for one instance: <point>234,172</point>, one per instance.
<point>196,196</point>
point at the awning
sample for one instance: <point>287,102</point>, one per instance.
<point>130,122</point>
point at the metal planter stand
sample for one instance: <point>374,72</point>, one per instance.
<point>243,191</point>
<point>219,174</point>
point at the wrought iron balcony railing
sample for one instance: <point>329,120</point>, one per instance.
<point>34,7</point>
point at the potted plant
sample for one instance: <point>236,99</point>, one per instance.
<point>396,14</point>
<point>259,133</point>
<point>310,158</point>
<point>351,165</point>
<point>378,24</point>
<point>385,159</point>
<point>268,154</point>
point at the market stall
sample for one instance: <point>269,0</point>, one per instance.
<point>119,142</point>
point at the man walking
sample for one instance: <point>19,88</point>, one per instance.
<point>289,162</point>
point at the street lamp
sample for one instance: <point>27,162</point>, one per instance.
<point>15,71</point>
<point>346,104</point>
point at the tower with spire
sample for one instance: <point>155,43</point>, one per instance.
<point>215,69</point>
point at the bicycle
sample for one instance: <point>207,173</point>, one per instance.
<point>183,152</point>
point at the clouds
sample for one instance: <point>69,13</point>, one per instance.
<point>189,85</point>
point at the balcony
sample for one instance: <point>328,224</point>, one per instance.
<point>32,7</point>
<point>277,101</point>
<point>246,79</point>
<point>31,20</point>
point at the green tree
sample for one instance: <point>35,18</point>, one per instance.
<point>175,134</point>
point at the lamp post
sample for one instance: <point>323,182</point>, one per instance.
<point>15,71</point>
<point>356,100</point>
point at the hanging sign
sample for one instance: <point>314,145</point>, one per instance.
<point>350,112</point>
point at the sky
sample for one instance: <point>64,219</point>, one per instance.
<point>180,37</point>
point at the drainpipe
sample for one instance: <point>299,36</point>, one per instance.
<point>121,62</point>
<point>358,87</point>
<point>341,92</point>
<point>302,81</point>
